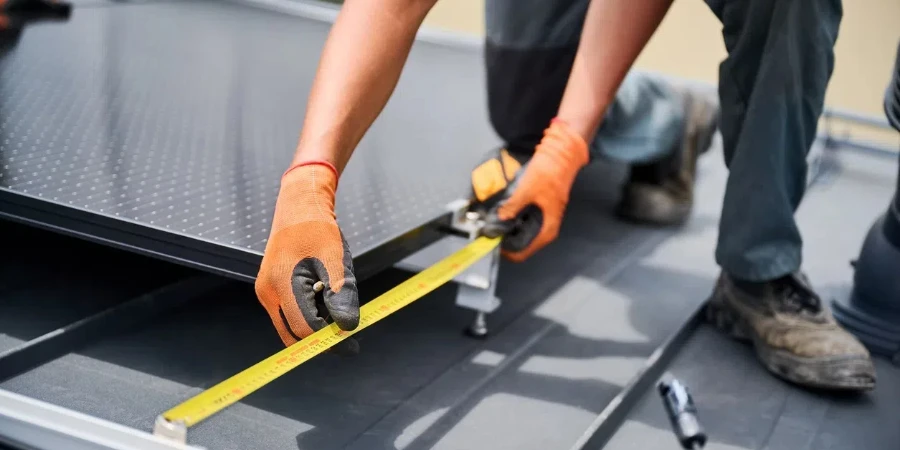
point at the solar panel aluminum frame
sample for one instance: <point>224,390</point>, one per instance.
<point>230,261</point>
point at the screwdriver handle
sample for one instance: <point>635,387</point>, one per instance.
<point>682,414</point>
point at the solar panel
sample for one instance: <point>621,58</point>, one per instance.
<point>165,128</point>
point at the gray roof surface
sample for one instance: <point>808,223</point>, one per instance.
<point>576,325</point>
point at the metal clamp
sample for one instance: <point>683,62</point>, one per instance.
<point>463,220</point>
<point>477,285</point>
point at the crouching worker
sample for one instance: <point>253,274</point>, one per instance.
<point>560,95</point>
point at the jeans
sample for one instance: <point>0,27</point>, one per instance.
<point>771,93</point>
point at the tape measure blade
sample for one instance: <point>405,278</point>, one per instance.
<point>242,384</point>
<point>249,380</point>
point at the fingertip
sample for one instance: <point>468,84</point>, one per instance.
<point>494,226</point>
<point>343,305</point>
<point>345,319</point>
<point>493,230</point>
<point>286,338</point>
<point>516,257</point>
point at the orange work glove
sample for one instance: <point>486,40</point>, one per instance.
<point>305,247</point>
<point>531,204</point>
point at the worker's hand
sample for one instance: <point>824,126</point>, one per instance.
<point>531,203</point>
<point>305,247</point>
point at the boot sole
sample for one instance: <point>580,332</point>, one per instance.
<point>814,373</point>
<point>635,207</point>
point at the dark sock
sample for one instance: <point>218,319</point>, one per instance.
<point>647,173</point>
<point>752,287</point>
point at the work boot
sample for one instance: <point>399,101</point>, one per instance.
<point>662,192</point>
<point>792,331</point>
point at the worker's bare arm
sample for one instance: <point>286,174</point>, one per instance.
<point>614,34</point>
<point>359,68</point>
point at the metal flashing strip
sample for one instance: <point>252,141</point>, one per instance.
<point>855,117</point>
<point>611,418</point>
<point>31,424</point>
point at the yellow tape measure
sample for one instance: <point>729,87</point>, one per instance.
<point>244,383</point>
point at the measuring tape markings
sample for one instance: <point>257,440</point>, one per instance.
<point>244,383</point>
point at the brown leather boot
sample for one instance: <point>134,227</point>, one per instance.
<point>792,331</point>
<point>662,193</point>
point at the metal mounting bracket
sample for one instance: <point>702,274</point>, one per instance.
<point>478,283</point>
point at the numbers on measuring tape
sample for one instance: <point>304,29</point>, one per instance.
<point>255,377</point>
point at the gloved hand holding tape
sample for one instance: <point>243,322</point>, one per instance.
<point>174,423</point>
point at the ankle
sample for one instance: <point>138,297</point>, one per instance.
<point>756,287</point>
<point>752,287</point>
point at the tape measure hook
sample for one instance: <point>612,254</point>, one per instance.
<point>174,431</point>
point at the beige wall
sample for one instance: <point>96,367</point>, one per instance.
<point>466,16</point>
<point>689,44</point>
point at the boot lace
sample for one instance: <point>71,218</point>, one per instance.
<point>797,296</point>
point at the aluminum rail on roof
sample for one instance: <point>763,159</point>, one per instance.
<point>33,424</point>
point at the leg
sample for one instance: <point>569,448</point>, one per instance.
<point>661,128</point>
<point>529,53</point>
<point>772,88</point>
<point>645,122</point>
<point>530,47</point>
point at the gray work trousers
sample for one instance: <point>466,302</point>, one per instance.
<point>771,92</point>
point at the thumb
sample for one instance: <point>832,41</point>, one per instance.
<point>518,232</point>
<point>516,217</point>
<point>343,305</point>
<point>341,297</point>
<point>342,302</point>
<point>501,218</point>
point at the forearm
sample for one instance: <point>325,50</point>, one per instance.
<point>613,36</point>
<point>358,71</point>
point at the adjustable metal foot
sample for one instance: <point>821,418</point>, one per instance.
<point>479,296</point>
<point>478,329</point>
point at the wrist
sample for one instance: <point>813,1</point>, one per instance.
<point>319,151</point>
<point>564,145</point>
<point>313,162</point>
<point>307,188</point>
<point>310,180</point>
<point>585,128</point>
